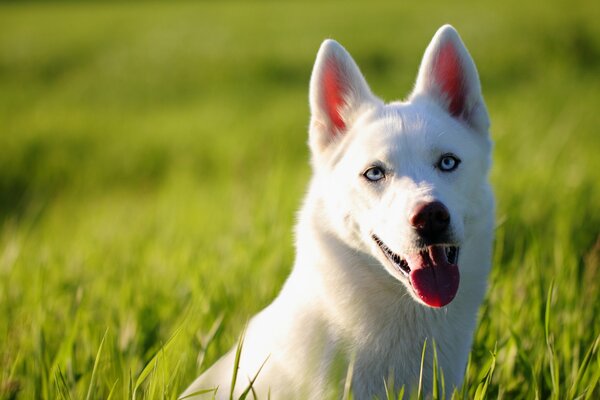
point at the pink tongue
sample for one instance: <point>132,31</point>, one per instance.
<point>432,277</point>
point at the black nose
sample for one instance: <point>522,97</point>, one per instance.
<point>430,220</point>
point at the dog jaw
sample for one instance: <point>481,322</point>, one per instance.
<point>431,273</point>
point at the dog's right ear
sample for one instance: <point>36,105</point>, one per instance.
<point>338,90</point>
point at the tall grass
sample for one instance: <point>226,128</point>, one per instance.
<point>152,157</point>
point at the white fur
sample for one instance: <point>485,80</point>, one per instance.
<point>342,300</point>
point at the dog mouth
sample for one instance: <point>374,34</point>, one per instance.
<point>431,271</point>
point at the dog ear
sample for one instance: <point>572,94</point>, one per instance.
<point>337,91</point>
<point>448,76</point>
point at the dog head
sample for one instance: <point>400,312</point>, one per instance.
<point>401,181</point>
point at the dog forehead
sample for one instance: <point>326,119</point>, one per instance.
<point>406,127</point>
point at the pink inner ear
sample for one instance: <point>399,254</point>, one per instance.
<point>333,94</point>
<point>449,75</point>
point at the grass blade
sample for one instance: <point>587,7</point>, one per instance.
<point>199,392</point>
<point>591,389</point>
<point>66,346</point>
<point>61,385</point>
<point>434,389</point>
<point>420,389</point>
<point>482,388</point>
<point>552,360</point>
<point>206,339</point>
<point>401,393</point>
<point>151,365</point>
<point>583,367</point>
<point>547,313</point>
<point>251,385</point>
<point>236,364</point>
<point>349,374</point>
<point>95,369</point>
<point>525,361</point>
<point>112,390</point>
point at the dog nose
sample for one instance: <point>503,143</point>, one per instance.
<point>430,220</point>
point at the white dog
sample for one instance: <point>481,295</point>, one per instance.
<point>393,241</point>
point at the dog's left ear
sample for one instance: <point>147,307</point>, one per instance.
<point>338,93</point>
<point>448,76</point>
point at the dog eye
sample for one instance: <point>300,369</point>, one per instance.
<point>374,174</point>
<point>448,162</point>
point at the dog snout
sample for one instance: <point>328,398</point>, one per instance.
<point>430,220</point>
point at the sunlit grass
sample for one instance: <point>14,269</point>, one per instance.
<point>152,159</point>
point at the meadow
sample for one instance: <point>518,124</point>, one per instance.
<point>153,156</point>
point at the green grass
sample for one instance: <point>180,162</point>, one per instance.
<point>152,157</point>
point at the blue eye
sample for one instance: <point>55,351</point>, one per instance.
<point>374,174</point>
<point>448,162</point>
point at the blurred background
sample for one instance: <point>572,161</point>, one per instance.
<point>153,156</point>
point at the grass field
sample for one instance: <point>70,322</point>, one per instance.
<point>152,157</point>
